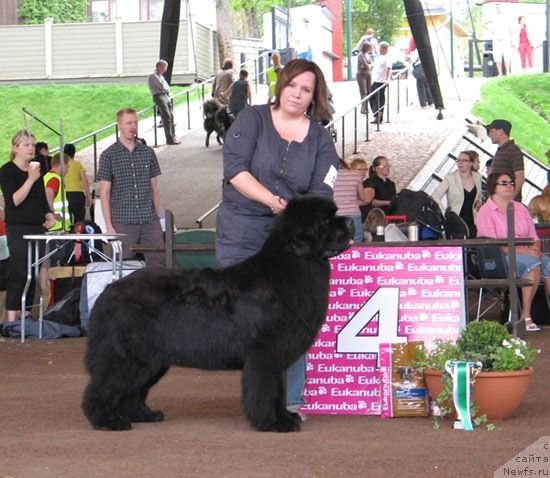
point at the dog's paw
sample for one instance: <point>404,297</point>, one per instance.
<point>289,422</point>
<point>148,417</point>
<point>285,423</point>
<point>114,424</point>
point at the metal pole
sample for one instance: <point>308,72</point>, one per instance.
<point>188,111</point>
<point>470,58</point>
<point>273,24</point>
<point>348,36</point>
<point>95,156</point>
<point>64,208</point>
<point>451,25</point>
<point>343,137</point>
<point>288,25</point>
<point>355,130</point>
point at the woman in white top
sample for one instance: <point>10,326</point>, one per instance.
<point>462,189</point>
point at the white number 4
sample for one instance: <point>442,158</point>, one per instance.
<point>384,305</point>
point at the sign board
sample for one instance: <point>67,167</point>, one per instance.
<point>380,295</point>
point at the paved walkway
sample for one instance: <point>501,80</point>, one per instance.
<point>191,173</point>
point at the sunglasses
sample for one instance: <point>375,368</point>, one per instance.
<point>506,183</point>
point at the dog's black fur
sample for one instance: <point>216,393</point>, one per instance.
<point>259,316</point>
<point>216,118</point>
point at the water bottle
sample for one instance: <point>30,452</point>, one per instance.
<point>379,237</point>
<point>412,231</point>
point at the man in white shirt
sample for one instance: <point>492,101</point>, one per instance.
<point>160,89</point>
<point>503,34</point>
<point>381,75</point>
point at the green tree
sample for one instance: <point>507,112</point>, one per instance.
<point>254,11</point>
<point>385,16</point>
<point>62,11</point>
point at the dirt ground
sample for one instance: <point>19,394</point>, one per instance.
<point>43,432</point>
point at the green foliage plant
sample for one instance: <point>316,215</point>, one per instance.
<point>485,341</point>
<point>62,11</point>
<point>385,16</point>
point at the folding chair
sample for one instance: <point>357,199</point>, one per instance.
<point>455,227</point>
<point>490,276</point>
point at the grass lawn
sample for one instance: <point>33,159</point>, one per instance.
<point>525,102</point>
<point>81,108</point>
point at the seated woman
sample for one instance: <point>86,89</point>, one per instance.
<point>348,194</point>
<point>379,188</point>
<point>462,190</point>
<point>491,221</point>
<point>539,206</point>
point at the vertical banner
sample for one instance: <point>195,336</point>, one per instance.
<point>380,295</point>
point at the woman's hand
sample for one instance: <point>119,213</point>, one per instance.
<point>533,250</point>
<point>50,221</point>
<point>34,174</point>
<point>277,204</point>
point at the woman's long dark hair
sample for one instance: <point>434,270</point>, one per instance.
<point>318,109</point>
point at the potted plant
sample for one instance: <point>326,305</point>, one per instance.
<point>499,387</point>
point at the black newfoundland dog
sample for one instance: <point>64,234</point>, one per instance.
<point>217,118</point>
<point>259,316</point>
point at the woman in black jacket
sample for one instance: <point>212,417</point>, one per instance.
<point>26,212</point>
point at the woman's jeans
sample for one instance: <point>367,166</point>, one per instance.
<point>295,382</point>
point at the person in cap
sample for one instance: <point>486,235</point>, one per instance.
<point>508,155</point>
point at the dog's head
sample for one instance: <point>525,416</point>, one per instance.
<point>210,107</point>
<point>310,228</point>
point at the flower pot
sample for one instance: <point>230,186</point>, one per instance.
<point>498,394</point>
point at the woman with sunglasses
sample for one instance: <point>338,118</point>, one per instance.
<point>491,221</point>
<point>462,190</point>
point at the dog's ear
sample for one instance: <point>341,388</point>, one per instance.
<point>300,247</point>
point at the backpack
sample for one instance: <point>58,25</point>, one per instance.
<point>66,311</point>
<point>80,252</point>
<point>420,207</point>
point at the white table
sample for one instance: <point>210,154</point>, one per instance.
<point>61,240</point>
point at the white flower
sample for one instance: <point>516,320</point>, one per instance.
<point>519,353</point>
<point>506,344</point>
<point>519,342</point>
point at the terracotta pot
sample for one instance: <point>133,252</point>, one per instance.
<point>498,394</point>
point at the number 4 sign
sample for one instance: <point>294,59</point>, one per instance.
<point>380,295</point>
<point>358,336</point>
